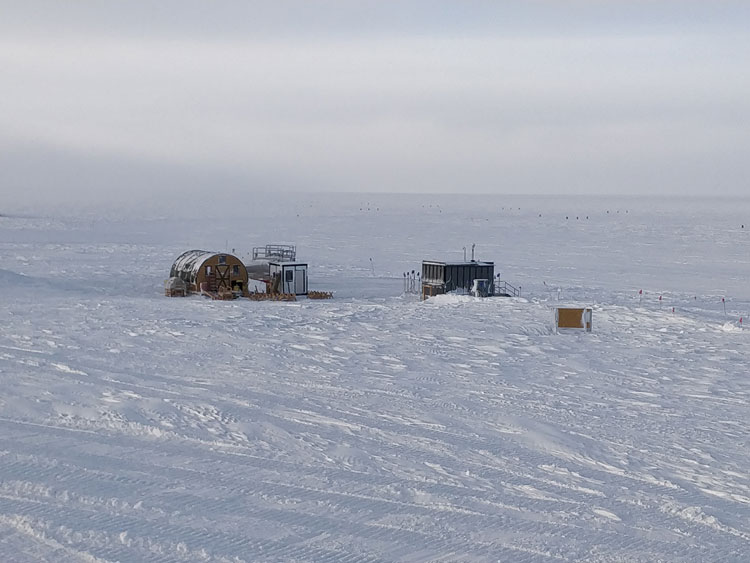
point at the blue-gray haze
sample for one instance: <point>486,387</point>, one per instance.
<point>115,100</point>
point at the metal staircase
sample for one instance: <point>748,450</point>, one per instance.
<point>504,289</point>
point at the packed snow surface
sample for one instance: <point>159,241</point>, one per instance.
<point>374,426</point>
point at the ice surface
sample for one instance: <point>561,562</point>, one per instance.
<point>375,427</point>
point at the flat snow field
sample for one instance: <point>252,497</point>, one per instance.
<point>374,426</point>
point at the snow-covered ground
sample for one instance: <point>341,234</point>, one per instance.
<point>376,427</point>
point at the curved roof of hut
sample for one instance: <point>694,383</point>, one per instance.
<point>190,261</point>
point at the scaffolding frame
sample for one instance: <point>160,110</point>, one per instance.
<point>275,252</point>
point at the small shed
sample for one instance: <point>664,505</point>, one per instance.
<point>292,277</point>
<point>216,270</point>
<point>580,318</point>
<point>442,277</point>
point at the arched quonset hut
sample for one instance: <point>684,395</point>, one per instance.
<point>218,271</point>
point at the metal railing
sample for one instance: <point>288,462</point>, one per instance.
<point>504,288</point>
<point>280,252</point>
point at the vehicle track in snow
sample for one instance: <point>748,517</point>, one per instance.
<point>139,428</point>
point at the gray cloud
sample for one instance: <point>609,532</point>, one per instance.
<point>327,96</point>
<point>198,18</point>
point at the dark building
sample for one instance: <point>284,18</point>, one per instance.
<point>442,277</point>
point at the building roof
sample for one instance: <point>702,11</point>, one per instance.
<point>191,261</point>
<point>467,263</point>
<point>288,263</point>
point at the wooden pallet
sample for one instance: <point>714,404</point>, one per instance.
<point>320,295</point>
<point>272,297</point>
<point>221,295</point>
<point>175,292</point>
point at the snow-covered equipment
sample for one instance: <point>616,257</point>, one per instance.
<point>411,282</point>
<point>211,272</point>
<point>479,288</point>
<point>288,277</point>
<point>443,277</point>
<point>573,318</point>
<point>175,287</point>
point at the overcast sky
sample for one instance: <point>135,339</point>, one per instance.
<point>535,97</point>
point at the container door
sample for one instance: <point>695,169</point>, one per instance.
<point>288,280</point>
<point>300,281</point>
